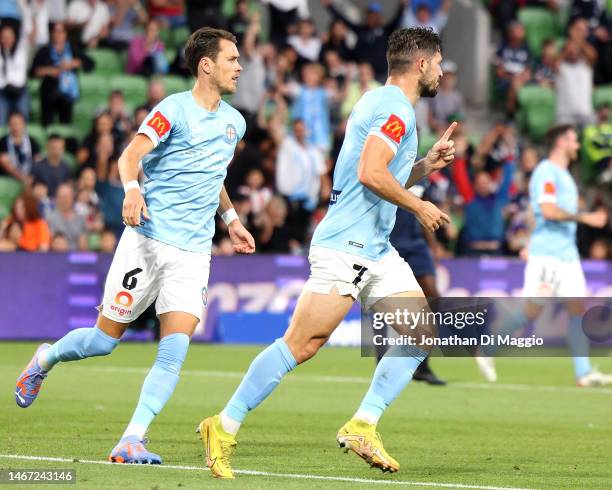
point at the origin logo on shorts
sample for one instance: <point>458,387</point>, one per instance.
<point>124,300</point>
<point>204,296</point>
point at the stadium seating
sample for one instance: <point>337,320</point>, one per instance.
<point>107,61</point>
<point>134,88</point>
<point>94,87</point>
<point>602,94</point>
<point>84,113</point>
<point>537,110</point>
<point>9,190</point>
<point>175,84</point>
<point>540,24</point>
<point>38,134</point>
<point>425,143</point>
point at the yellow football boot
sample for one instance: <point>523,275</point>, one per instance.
<point>362,438</point>
<point>218,446</point>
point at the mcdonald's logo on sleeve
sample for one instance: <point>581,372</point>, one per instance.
<point>159,123</point>
<point>549,188</point>
<point>394,128</point>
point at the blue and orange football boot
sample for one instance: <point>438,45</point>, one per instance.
<point>132,450</point>
<point>30,380</point>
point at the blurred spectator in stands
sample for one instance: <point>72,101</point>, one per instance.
<point>300,169</point>
<point>171,13</point>
<point>57,12</point>
<point>355,89</point>
<point>597,145</point>
<point>512,65</point>
<point>155,94</point>
<point>11,14</point>
<point>59,243</point>
<point>41,193</point>
<point>504,11</point>
<point>57,65</point>
<point>10,235</point>
<point>63,219</point>
<point>483,231</point>
<point>87,201</point>
<point>312,106</point>
<point>338,70</point>
<point>337,39</point>
<point>88,21</point>
<point>108,241</point>
<point>52,171</point>
<point>545,70</point>
<point>250,89</point>
<point>110,191</point>
<point>574,82</point>
<point>449,101</point>
<point>238,23</point>
<point>35,235</point>
<point>13,72</point>
<point>423,16</point>
<point>202,13</point>
<point>275,235</point>
<point>372,35</point>
<point>119,114</point>
<point>146,53</point>
<point>126,15</point>
<point>283,16</point>
<point>39,13</point>
<point>305,40</point>
<point>599,21</point>
<point>18,150</point>
<point>498,146</point>
<point>96,143</point>
<point>256,190</point>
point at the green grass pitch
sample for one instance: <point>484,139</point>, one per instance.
<point>532,430</point>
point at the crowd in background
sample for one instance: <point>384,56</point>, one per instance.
<point>296,91</point>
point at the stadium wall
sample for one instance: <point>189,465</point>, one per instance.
<point>249,299</point>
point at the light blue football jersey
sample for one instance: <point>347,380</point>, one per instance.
<point>358,221</point>
<point>551,183</point>
<point>186,169</point>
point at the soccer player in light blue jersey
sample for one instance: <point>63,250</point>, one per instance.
<point>351,257</point>
<point>185,145</point>
<point>553,265</point>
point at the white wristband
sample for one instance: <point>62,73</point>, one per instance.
<point>229,216</point>
<point>132,184</point>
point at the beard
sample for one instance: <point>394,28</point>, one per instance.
<point>429,89</point>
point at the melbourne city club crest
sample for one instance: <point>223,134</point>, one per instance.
<point>230,133</point>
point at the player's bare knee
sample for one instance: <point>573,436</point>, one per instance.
<point>306,349</point>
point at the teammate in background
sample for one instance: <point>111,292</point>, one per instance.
<point>351,257</point>
<point>185,144</point>
<point>553,265</point>
<point>413,245</point>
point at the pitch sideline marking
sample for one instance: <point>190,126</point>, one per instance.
<point>267,473</point>
<point>359,379</point>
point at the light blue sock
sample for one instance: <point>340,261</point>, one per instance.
<point>264,374</point>
<point>579,346</point>
<point>393,373</point>
<point>159,384</point>
<point>78,344</point>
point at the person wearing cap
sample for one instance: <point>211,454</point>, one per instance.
<point>372,35</point>
<point>449,100</point>
<point>421,14</point>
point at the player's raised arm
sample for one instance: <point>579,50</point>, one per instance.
<point>242,240</point>
<point>133,203</point>
<point>373,173</point>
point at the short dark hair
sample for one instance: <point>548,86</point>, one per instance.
<point>405,44</point>
<point>556,132</point>
<point>204,43</point>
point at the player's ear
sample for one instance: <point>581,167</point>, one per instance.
<point>205,65</point>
